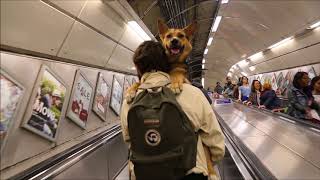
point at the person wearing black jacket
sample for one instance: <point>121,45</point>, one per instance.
<point>300,98</point>
<point>268,98</point>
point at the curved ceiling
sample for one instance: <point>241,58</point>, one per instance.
<point>248,27</point>
<point>178,14</point>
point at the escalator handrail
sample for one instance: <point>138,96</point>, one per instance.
<point>238,158</point>
<point>62,161</point>
<point>312,126</point>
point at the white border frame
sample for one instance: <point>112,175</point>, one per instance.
<point>99,79</point>
<point>14,116</point>
<point>117,112</point>
<point>78,74</point>
<point>29,108</point>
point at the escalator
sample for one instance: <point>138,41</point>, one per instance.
<point>101,157</point>
<point>269,145</point>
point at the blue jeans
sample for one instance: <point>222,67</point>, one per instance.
<point>244,98</point>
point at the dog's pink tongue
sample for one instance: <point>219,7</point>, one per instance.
<point>175,51</point>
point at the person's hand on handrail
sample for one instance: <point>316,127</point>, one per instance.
<point>262,107</point>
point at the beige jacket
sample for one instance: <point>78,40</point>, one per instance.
<point>198,110</point>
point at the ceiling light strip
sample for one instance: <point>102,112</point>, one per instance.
<point>282,42</point>
<point>210,41</point>
<point>135,26</point>
<point>216,23</point>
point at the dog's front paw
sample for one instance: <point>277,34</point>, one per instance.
<point>131,92</point>
<point>177,83</point>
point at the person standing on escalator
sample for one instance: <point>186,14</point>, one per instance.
<point>152,124</point>
<point>254,98</point>
<point>228,88</point>
<point>301,103</point>
<point>315,85</point>
<point>244,90</point>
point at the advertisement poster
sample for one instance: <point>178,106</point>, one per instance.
<point>116,96</point>
<point>134,80</point>
<point>102,97</point>
<point>47,105</point>
<point>11,92</point>
<point>126,85</point>
<point>80,100</point>
<point>282,80</point>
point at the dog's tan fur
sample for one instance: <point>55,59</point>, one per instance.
<point>178,68</point>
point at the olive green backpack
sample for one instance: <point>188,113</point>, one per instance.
<point>163,141</point>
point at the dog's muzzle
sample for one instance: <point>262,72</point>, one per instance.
<point>175,47</point>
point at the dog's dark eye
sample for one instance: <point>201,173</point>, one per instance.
<point>169,36</point>
<point>180,36</point>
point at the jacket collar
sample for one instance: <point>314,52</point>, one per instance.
<point>296,89</point>
<point>154,79</point>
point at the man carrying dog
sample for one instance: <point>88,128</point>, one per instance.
<point>153,130</point>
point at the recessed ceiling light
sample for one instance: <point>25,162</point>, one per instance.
<point>243,73</point>
<point>133,68</point>
<point>282,42</point>
<point>206,51</point>
<point>210,41</point>
<point>224,1</point>
<point>315,25</point>
<point>243,63</point>
<point>203,60</point>
<point>234,66</point>
<point>216,23</point>
<point>202,82</point>
<point>256,56</point>
<point>252,68</point>
<point>135,26</point>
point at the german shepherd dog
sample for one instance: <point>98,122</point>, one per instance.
<point>177,43</point>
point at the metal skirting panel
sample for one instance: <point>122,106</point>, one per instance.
<point>103,163</point>
<point>117,156</point>
<point>94,166</point>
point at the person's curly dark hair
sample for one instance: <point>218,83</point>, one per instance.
<point>150,56</point>
<point>297,77</point>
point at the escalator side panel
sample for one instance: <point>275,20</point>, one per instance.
<point>94,166</point>
<point>117,155</point>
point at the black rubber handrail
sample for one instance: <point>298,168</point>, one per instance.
<point>60,162</point>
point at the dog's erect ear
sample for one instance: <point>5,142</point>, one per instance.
<point>189,30</point>
<point>163,28</point>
